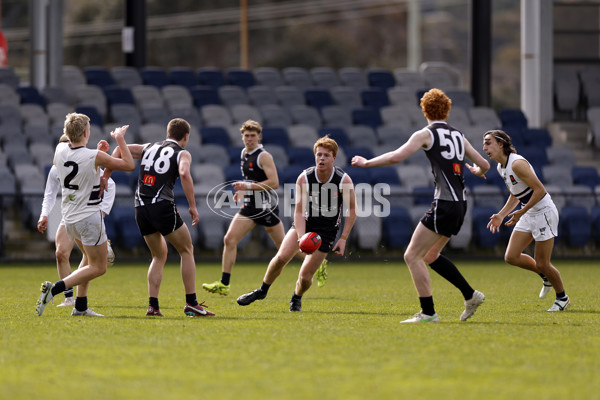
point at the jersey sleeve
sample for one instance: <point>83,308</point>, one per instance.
<point>50,192</point>
<point>109,197</point>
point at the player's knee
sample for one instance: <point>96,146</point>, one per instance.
<point>511,259</point>
<point>229,240</point>
<point>409,257</point>
<point>61,256</point>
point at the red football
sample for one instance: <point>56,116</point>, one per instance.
<point>310,242</point>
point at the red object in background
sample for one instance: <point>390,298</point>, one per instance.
<point>3,50</point>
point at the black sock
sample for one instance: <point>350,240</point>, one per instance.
<point>191,299</point>
<point>296,297</point>
<point>561,296</point>
<point>225,278</point>
<point>543,277</point>
<point>427,305</point>
<point>446,268</point>
<point>153,302</point>
<point>58,287</point>
<point>81,303</point>
<point>68,293</point>
<point>265,287</point>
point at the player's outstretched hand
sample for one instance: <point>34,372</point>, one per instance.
<point>494,224</point>
<point>475,170</point>
<point>119,132</point>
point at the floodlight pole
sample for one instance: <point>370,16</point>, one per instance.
<point>134,33</point>
<point>481,51</point>
<point>244,34</point>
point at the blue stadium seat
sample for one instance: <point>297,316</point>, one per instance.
<point>575,226</point>
<point>234,154</point>
<point>537,137</point>
<point>301,156</point>
<point>516,133</point>
<point>352,151</point>
<point>154,76</point>
<point>127,232</point>
<point>318,98</point>
<point>375,98</point>
<point>367,116</point>
<point>99,76</point>
<point>209,76</point>
<point>536,155</point>
<point>482,235</point>
<point>336,133</point>
<point>585,176</point>
<point>240,77</point>
<point>92,113</point>
<point>183,76</point>
<point>233,172</point>
<point>30,95</point>
<point>290,173</point>
<point>381,78</point>
<point>596,224</point>
<point>512,117</point>
<point>423,195</point>
<point>384,175</point>
<point>397,228</point>
<point>275,135</point>
<point>204,95</point>
<point>359,175</point>
<point>118,95</point>
<point>214,135</point>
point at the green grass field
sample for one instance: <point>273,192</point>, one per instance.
<point>347,342</point>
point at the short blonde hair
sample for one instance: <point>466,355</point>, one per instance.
<point>75,126</point>
<point>436,105</point>
<point>251,126</point>
<point>327,143</point>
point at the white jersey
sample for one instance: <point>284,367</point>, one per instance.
<point>517,187</point>
<point>80,181</point>
<point>53,188</point>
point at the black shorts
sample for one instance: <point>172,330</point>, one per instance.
<point>160,217</point>
<point>445,217</point>
<point>262,217</point>
<point>327,237</point>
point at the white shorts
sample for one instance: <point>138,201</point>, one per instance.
<point>543,224</point>
<point>90,230</point>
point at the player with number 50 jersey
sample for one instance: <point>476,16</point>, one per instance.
<point>446,149</point>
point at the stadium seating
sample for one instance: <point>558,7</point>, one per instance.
<point>325,77</point>
<point>210,76</point>
<point>204,95</point>
<point>318,98</point>
<point>353,77</point>
<point>126,77</point>
<point>240,77</point>
<point>154,76</point>
<point>380,78</point>
<point>98,76</point>
<point>183,76</point>
<point>268,76</point>
<point>575,226</point>
<point>297,77</point>
<point>397,228</point>
<point>483,237</point>
<point>261,95</point>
